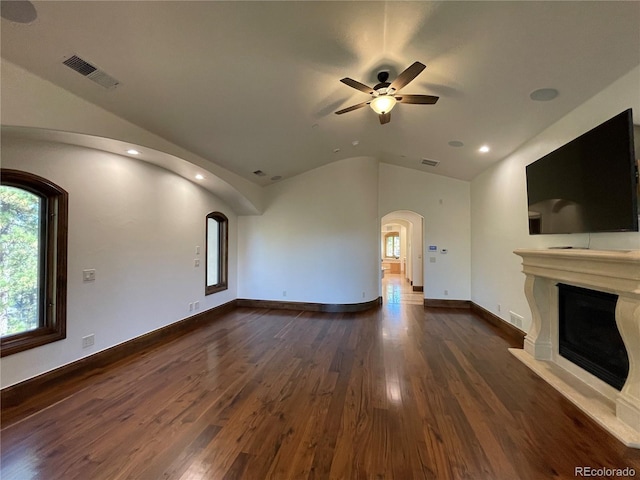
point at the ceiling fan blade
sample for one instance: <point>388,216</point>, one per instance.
<point>385,118</point>
<point>357,85</point>
<point>417,99</point>
<point>409,74</point>
<point>353,107</point>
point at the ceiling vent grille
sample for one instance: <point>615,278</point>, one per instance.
<point>92,72</point>
<point>259,173</point>
<point>431,163</point>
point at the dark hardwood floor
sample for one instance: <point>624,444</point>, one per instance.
<point>399,392</point>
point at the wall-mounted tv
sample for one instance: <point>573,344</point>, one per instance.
<point>588,185</point>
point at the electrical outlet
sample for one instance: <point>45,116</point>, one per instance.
<point>197,250</point>
<point>284,293</point>
<point>191,307</point>
<point>196,262</point>
<point>196,305</point>
<point>446,292</point>
<point>362,294</point>
<point>499,307</point>
<point>88,340</point>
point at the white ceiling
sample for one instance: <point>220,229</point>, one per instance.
<point>253,85</point>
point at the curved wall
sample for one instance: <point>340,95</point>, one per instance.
<point>29,102</point>
<point>318,238</point>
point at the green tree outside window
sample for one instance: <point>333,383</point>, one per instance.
<point>20,260</point>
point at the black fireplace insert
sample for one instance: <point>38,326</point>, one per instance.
<point>588,334</point>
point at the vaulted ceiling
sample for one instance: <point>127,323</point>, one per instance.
<point>254,85</point>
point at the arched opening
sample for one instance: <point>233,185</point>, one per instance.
<point>401,253</point>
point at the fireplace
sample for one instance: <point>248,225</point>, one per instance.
<point>603,290</point>
<point>588,335</point>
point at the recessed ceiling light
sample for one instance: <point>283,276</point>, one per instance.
<point>543,94</point>
<point>336,150</point>
<point>275,178</point>
<point>133,151</point>
<point>199,177</point>
<point>456,143</point>
<point>484,149</point>
<point>355,143</point>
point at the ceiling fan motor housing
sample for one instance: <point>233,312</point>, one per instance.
<point>383,76</point>
<point>381,87</point>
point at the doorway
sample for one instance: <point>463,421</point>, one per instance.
<point>401,247</point>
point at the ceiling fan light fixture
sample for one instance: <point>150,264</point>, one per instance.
<point>382,104</point>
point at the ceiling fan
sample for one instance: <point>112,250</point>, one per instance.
<point>385,95</point>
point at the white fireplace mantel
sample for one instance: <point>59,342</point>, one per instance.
<point>612,271</point>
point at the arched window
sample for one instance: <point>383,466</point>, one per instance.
<point>216,268</point>
<point>33,261</point>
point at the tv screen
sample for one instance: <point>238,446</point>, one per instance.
<point>588,185</point>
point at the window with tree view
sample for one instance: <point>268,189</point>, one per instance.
<point>217,256</point>
<point>392,245</point>
<point>22,260</point>
<point>33,243</point>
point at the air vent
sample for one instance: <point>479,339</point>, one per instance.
<point>92,72</point>
<point>431,163</point>
<point>259,173</point>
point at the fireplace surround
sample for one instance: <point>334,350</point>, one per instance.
<point>615,273</point>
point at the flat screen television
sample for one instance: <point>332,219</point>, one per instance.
<point>588,185</point>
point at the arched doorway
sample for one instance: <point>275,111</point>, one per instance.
<point>402,247</point>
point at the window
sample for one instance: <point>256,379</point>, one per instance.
<point>33,261</point>
<point>217,253</point>
<point>392,245</point>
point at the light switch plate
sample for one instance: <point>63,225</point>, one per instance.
<point>89,275</point>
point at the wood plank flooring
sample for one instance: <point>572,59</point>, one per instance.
<point>400,392</point>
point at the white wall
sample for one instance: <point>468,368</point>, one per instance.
<point>499,222</point>
<point>444,204</point>
<point>138,226</point>
<point>318,238</point>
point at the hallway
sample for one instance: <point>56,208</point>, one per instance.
<point>397,290</point>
